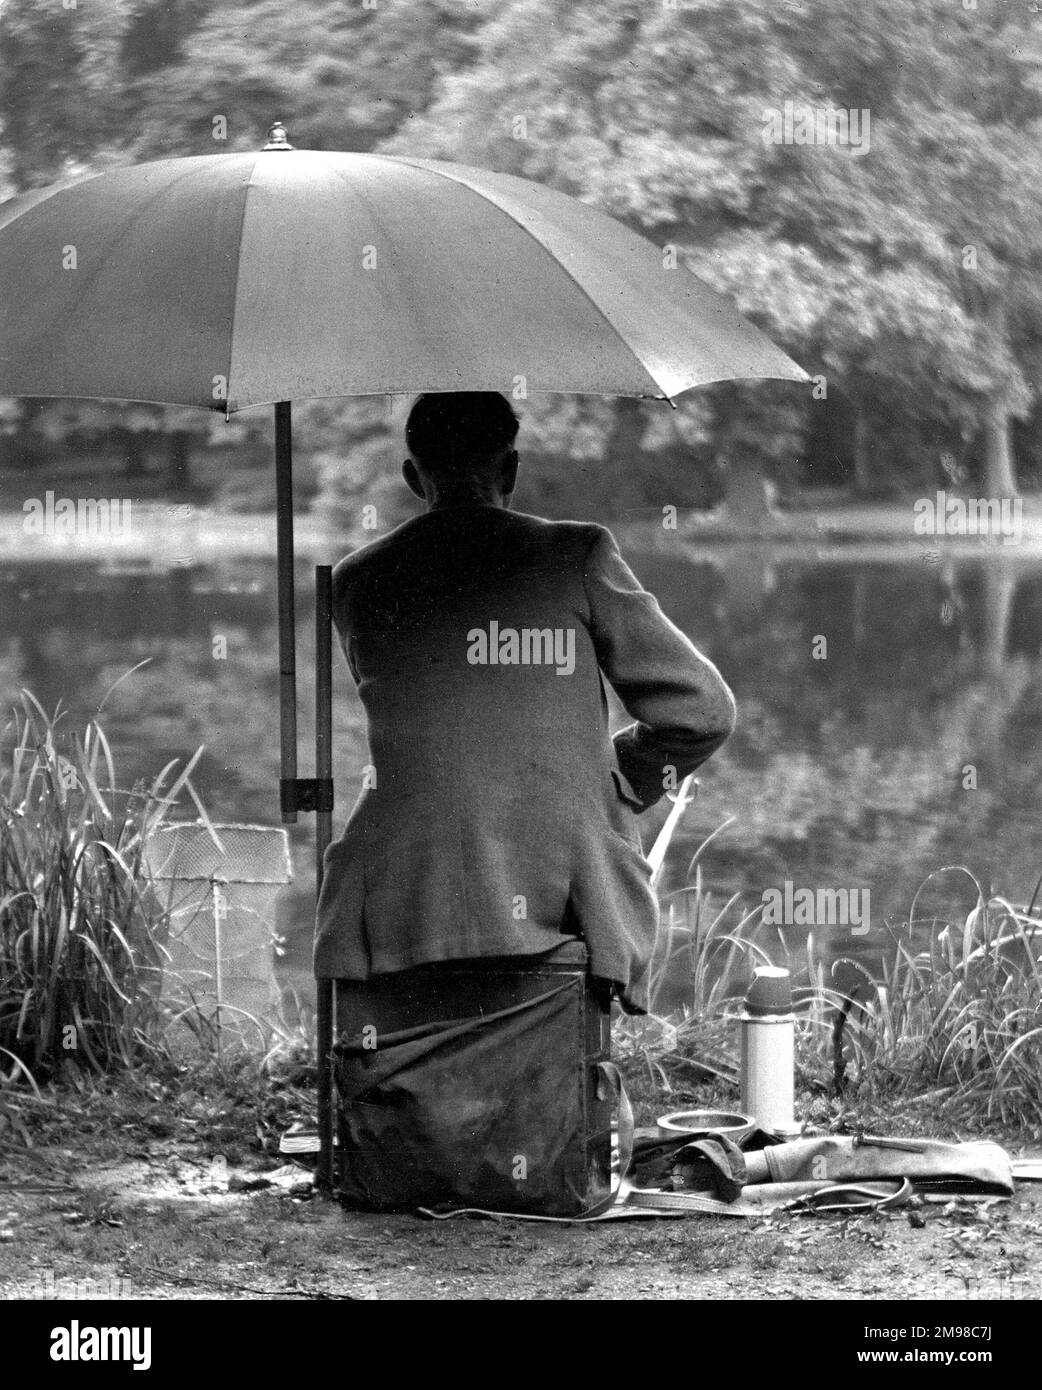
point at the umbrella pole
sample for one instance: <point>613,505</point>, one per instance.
<point>287,612</point>
<point>296,794</point>
<point>325,1020</point>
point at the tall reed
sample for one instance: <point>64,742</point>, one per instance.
<point>80,929</point>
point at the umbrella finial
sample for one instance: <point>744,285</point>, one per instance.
<point>277,138</point>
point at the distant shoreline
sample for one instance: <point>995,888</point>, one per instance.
<point>172,535</point>
<point>167,536</point>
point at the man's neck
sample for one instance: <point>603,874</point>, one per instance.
<point>444,501</point>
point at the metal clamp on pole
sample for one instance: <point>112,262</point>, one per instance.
<point>306,794</point>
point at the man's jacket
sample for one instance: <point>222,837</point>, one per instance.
<point>498,813</point>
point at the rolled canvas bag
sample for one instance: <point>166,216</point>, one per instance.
<point>500,1111</point>
<point>933,1165</point>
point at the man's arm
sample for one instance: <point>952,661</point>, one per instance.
<point>341,589</point>
<point>683,707</point>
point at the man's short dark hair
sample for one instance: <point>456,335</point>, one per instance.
<point>452,431</point>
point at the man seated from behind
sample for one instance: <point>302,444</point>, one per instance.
<point>500,819</point>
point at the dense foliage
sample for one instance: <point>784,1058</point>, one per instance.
<point>905,273</point>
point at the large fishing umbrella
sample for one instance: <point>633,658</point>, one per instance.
<point>234,280</point>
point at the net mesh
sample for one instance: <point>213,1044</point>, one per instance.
<point>218,891</point>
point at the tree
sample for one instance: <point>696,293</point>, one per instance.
<point>339,76</point>
<point>853,260</point>
<point>904,273</point>
<point>63,89</point>
<point>132,80</point>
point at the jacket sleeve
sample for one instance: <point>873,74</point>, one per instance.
<point>341,586</point>
<point>683,708</point>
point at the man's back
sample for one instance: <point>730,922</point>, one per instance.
<point>501,813</point>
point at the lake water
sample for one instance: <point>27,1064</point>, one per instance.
<point>912,739</point>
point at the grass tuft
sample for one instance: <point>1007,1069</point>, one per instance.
<point>80,928</point>
<point>958,1020</point>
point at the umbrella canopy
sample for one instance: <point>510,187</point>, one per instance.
<point>233,280</point>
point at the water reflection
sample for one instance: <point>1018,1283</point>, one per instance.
<point>913,742</point>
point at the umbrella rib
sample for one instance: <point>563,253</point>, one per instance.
<point>425,167</point>
<point>235,297</point>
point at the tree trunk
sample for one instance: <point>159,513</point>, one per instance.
<point>20,451</point>
<point>1000,479</point>
<point>130,442</point>
<point>860,610</point>
<point>25,448</point>
<point>179,472</point>
<point>627,431</point>
<point>865,484</point>
<point>1000,589</point>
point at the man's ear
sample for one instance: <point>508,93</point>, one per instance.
<point>412,478</point>
<point>508,472</point>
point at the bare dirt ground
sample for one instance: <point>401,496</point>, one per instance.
<point>169,1185</point>
<point>178,1223</point>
